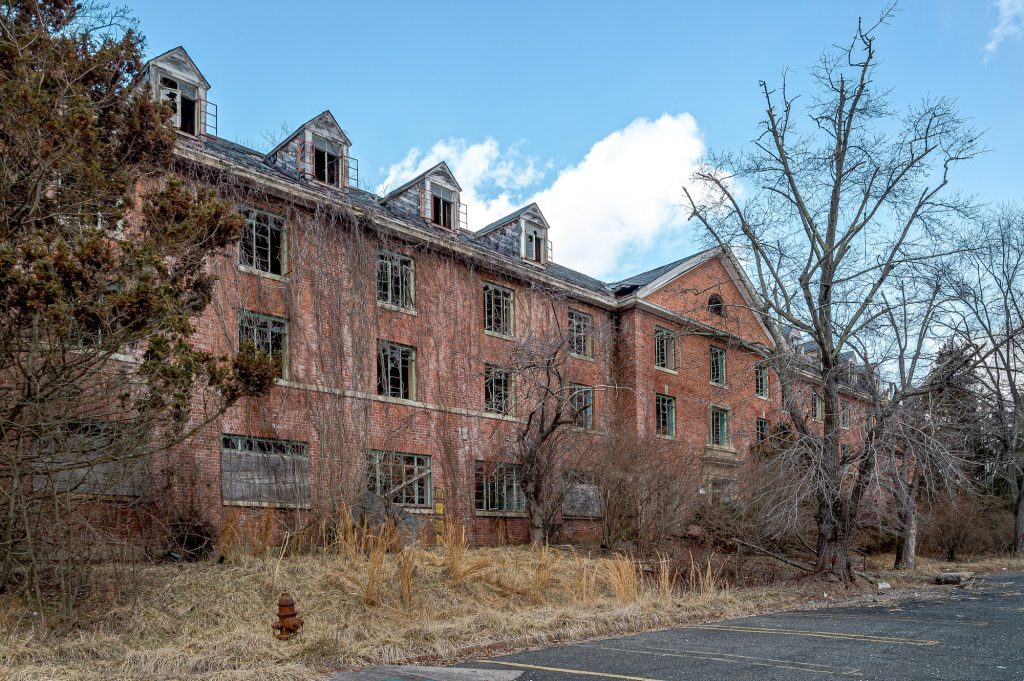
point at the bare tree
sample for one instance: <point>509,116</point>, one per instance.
<point>990,285</point>
<point>826,219</point>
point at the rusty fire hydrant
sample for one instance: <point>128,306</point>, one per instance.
<point>288,622</point>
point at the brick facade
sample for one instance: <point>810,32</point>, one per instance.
<point>328,397</point>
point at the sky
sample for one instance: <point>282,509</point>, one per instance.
<point>598,111</point>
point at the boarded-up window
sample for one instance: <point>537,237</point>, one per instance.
<point>583,498</point>
<point>96,458</point>
<point>262,472</point>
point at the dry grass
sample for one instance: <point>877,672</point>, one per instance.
<point>929,567</point>
<point>364,601</point>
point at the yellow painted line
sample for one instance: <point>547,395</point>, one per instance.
<point>820,634</point>
<point>893,618</point>
<point>736,659</point>
<point>578,672</point>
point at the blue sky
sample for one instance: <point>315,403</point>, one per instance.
<point>597,110</point>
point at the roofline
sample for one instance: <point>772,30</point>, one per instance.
<point>206,83</point>
<point>302,127</point>
<point>402,187</point>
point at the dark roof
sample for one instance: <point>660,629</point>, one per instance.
<point>631,284</point>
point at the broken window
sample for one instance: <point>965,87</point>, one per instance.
<point>498,310</point>
<point>582,496</point>
<point>327,161</point>
<point>498,397</point>
<point>817,407</point>
<point>499,488</point>
<point>715,305</point>
<point>396,370</point>
<point>581,400</point>
<point>395,279</point>
<point>665,415</point>
<point>722,489</point>
<point>717,366</point>
<point>400,478</point>
<point>844,414</point>
<point>581,334</point>
<point>442,202</point>
<point>183,98</point>
<point>267,333</point>
<point>262,247</point>
<point>718,427</point>
<point>761,380</point>
<point>534,244</point>
<point>762,430</point>
<point>664,349</point>
<point>262,472</point>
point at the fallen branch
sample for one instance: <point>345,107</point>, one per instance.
<point>772,554</point>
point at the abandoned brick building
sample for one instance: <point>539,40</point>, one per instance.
<point>398,330</point>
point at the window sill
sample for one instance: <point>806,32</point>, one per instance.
<point>763,397</point>
<point>396,308</point>
<point>724,386</point>
<point>268,504</point>
<point>418,510</point>
<point>580,429</point>
<point>265,275</point>
<point>399,400</point>
<point>500,514</point>
<point>495,334</point>
<point>665,437</point>
<point>666,370</point>
<point>585,358</point>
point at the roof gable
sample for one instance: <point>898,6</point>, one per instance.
<point>324,124</point>
<point>179,61</point>
<point>529,211</point>
<point>441,169</point>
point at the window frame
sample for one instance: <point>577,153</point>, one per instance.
<point>721,367</point>
<point>726,426</point>
<point>716,305</point>
<point>587,410</point>
<point>281,227</point>
<point>495,292</point>
<point>447,206</point>
<point>668,338</point>
<point>844,414</point>
<point>406,269</point>
<point>762,430</point>
<point>283,353</point>
<point>584,321</point>
<point>493,372</point>
<point>406,361</point>
<point>762,382</point>
<point>817,407</point>
<point>422,478</point>
<point>177,118</point>
<point>537,236</point>
<point>322,145</point>
<point>664,403</point>
<point>493,489</point>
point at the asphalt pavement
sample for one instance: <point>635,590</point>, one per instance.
<point>971,634</point>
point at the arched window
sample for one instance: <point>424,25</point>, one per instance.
<point>716,306</point>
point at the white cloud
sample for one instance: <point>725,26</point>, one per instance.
<point>1010,24</point>
<point>614,206</point>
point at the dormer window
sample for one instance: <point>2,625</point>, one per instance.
<point>534,244</point>
<point>184,100</point>
<point>442,203</point>
<point>716,306</point>
<point>327,161</point>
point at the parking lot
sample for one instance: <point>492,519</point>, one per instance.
<point>973,634</point>
<point>969,634</point>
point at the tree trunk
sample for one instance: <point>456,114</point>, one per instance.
<point>833,550</point>
<point>1018,522</point>
<point>906,546</point>
<point>535,518</point>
